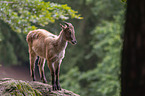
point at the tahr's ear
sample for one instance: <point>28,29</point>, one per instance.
<point>62,27</point>
<point>68,24</point>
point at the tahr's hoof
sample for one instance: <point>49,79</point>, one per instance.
<point>54,87</point>
<point>58,88</point>
<point>34,79</point>
<point>44,81</point>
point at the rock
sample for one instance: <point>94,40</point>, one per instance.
<point>11,87</point>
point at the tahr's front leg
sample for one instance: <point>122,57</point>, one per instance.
<point>57,80</point>
<point>54,86</point>
<point>53,76</point>
<point>57,67</point>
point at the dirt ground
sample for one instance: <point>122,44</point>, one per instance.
<point>16,72</point>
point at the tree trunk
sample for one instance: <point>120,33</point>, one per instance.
<point>133,54</point>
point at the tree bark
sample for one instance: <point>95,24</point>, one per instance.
<point>133,53</point>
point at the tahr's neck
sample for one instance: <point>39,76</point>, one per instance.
<point>61,41</point>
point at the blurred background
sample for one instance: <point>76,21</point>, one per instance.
<point>90,67</point>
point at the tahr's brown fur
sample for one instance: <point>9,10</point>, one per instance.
<point>49,47</point>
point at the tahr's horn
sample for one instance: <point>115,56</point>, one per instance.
<point>66,23</point>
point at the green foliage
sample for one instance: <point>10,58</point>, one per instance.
<point>70,80</point>
<point>7,53</point>
<point>13,46</point>
<point>104,9</point>
<point>107,45</point>
<point>103,80</point>
<point>11,57</point>
<point>23,15</point>
<point>124,0</point>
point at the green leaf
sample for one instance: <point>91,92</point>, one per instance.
<point>23,15</point>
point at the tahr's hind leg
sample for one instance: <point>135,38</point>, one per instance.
<point>41,65</point>
<point>32,57</point>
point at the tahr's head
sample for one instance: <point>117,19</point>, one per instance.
<point>69,32</point>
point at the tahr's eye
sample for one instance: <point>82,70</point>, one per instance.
<point>69,31</point>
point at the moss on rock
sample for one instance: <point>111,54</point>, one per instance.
<point>9,87</point>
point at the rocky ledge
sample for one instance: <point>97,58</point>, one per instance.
<point>11,87</point>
